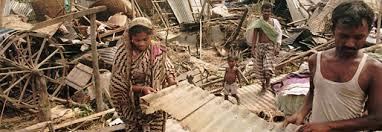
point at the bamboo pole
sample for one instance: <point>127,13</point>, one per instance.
<point>96,78</point>
<point>237,30</point>
<point>200,38</point>
<point>2,7</point>
<point>133,7</point>
<point>379,23</point>
<point>157,9</point>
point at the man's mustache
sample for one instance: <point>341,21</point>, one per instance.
<point>349,48</point>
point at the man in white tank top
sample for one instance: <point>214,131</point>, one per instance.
<point>344,80</point>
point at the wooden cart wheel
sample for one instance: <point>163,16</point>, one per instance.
<point>23,57</point>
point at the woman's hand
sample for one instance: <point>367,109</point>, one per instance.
<point>296,118</point>
<point>147,90</point>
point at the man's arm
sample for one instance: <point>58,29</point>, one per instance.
<point>308,103</point>
<point>277,26</point>
<point>225,74</point>
<point>372,121</point>
<point>170,72</point>
<point>298,117</point>
<point>238,76</point>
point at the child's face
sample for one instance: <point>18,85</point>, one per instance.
<point>231,63</point>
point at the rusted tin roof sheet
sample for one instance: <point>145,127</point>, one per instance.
<point>202,112</point>
<point>182,10</point>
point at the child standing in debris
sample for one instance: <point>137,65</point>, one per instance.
<point>231,74</point>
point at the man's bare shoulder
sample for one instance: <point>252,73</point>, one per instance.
<point>312,60</point>
<point>374,67</point>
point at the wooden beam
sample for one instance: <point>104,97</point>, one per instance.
<point>120,29</point>
<point>96,73</point>
<point>237,30</point>
<point>44,105</point>
<point>304,19</point>
<point>69,17</point>
<point>2,6</point>
<point>379,23</point>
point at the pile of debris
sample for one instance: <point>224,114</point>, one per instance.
<point>45,46</point>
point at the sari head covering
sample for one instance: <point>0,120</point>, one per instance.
<point>142,21</point>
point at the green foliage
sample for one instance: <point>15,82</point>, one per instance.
<point>84,111</point>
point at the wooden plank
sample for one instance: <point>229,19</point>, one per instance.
<point>79,76</point>
<point>112,32</point>
<point>68,17</point>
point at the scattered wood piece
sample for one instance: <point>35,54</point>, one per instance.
<point>304,54</point>
<point>88,118</point>
<point>35,127</point>
<point>304,19</point>
<point>68,17</point>
<point>236,33</point>
<point>70,102</point>
<point>17,105</point>
<point>110,129</point>
<point>245,78</point>
<point>372,48</point>
<point>110,32</point>
<point>62,125</point>
<point>233,22</point>
<point>212,82</point>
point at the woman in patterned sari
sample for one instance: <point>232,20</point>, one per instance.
<point>140,67</point>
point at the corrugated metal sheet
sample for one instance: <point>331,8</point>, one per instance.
<point>174,126</point>
<point>182,10</point>
<point>107,54</point>
<point>296,10</point>
<point>200,111</point>
<point>22,8</point>
<point>257,103</point>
